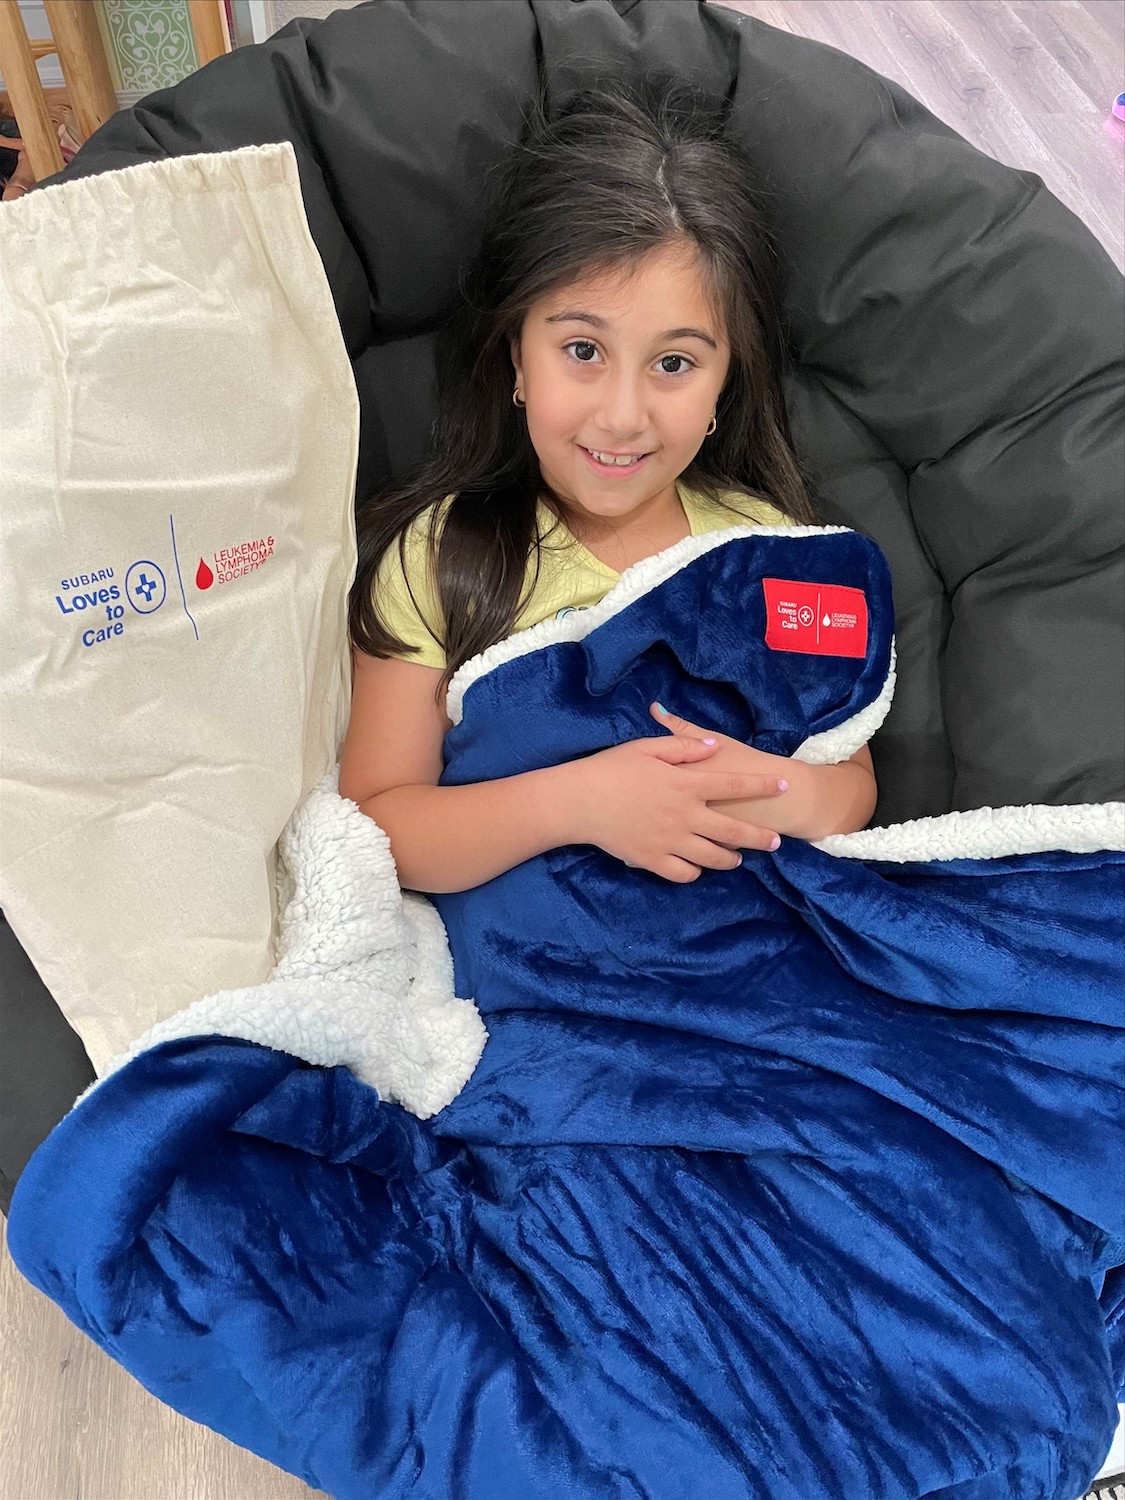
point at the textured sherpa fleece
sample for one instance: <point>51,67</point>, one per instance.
<point>363,974</point>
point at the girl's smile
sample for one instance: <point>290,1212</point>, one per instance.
<point>614,470</point>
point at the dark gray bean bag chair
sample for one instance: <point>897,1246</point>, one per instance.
<point>956,384</point>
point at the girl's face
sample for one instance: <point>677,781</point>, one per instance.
<point>621,367</point>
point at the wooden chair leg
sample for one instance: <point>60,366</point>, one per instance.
<point>26,93</point>
<point>209,25</point>
<point>78,40</point>
<point>89,87</point>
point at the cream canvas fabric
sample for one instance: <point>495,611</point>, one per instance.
<point>180,436</point>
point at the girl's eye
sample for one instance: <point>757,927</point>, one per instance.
<point>583,359</point>
<point>682,360</point>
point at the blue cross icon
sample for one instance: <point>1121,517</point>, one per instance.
<point>145,586</point>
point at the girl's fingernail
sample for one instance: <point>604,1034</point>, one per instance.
<point>660,709</point>
<point>776,842</point>
<point>783,786</point>
<point>710,740</point>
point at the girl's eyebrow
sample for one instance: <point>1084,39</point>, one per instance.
<point>673,333</point>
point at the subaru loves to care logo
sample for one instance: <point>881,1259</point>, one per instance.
<point>105,599</point>
<point>85,594</point>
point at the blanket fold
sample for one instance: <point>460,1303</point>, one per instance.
<point>363,975</point>
<point>799,1180</point>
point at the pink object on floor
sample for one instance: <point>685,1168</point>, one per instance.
<point>1119,106</point>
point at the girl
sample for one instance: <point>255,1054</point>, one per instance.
<point>611,386</point>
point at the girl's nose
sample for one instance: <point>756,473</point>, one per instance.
<point>622,413</point>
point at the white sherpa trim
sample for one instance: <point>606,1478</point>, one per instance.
<point>831,746</point>
<point>988,833</point>
<point>363,976</point>
<point>635,582</point>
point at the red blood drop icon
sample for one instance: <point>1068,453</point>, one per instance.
<point>204,577</point>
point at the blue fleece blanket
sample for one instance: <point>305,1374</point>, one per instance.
<point>803,1180</point>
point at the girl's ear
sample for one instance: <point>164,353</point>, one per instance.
<point>514,350</point>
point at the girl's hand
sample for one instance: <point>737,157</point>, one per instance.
<point>822,800</point>
<point>730,754</point>
<point>648,803</point>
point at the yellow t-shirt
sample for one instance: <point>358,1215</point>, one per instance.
<point>570,577</point>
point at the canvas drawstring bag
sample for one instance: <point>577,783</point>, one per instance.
<point>179,446</point>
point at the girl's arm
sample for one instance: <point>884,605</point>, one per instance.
<point>821,800</point>
<point>442,838</point>
<point>454,838</point>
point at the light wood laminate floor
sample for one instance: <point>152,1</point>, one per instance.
<point>1028,81</point>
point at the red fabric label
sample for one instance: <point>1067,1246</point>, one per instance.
<point>819,619</point>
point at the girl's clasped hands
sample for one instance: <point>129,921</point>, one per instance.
<point>658,804</point>
<point>693,799</point>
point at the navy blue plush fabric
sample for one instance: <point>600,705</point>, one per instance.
<point>801,1180</point>
<point>954,391</point>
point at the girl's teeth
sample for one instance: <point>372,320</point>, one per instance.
<point>619,463</point>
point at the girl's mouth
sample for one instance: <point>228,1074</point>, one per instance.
<point>615,470</point>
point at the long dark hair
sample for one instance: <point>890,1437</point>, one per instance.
<point>620,171</point>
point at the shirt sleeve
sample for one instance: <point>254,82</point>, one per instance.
<point>405,597</point>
